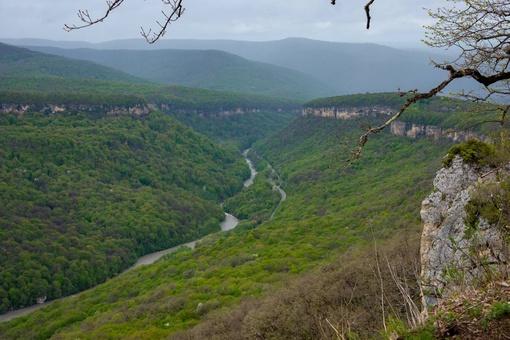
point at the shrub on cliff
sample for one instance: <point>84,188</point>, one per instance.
<point>473,151</point>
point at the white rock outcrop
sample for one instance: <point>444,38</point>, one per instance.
<point>20,109</point>
<point>409,130</point>
<point>452,256</point>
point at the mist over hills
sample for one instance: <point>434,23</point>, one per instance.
<point>21,62</point>
<point>33,77</point>
<point>87,192</point>
<point>209,69</point>
<point>345,67</point>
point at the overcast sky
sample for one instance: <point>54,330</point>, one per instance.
<point>395,22</point>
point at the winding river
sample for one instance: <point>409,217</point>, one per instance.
<point>230,222</point>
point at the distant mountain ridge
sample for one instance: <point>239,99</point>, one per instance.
<point>16,61</point>
<point>209,69</point>
<point>346,67</point>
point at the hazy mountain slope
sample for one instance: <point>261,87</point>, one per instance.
<point>16,61</point>
<point>210,111</point>
<point>29,72</point>
<point>327,212</point>
<point>209,69</point>
<point>346,67</point>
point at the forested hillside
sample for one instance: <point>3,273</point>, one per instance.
<point>347,68</point>
<point>83,196</point>
<point>329,210</point>
<point>208,69</point>
<point>87,191</point>
<point>20,62</point>
<point>242,130</point>
<point>34,77</point>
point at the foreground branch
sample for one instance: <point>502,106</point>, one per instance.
<point>367,12</point>
<point>454,74</point>
<point>85,17</point>
<point>176,12</point>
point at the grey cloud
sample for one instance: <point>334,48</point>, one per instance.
<point>393,20</point>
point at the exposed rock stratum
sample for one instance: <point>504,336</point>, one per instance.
<point>454,255</point>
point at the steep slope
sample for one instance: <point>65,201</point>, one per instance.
<point>21,62</point>
<point>209,69</point>
<point>240,129</point>
<point>327,212</point>
<point>463,235</point>
<point>84,195</point>
<point>464,246</point>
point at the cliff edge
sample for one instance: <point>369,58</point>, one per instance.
<point>464,230</point>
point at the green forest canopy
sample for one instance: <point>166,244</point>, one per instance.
<point>83,196</point>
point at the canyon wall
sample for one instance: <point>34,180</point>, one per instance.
<point>456,253</point>
<point>138,109</point>
<point>399,128</point>
<point>20,109</point>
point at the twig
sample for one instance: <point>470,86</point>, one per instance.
<point>454,74</point>
<point>177,10</point>
<point>367,12</point>
<point>87,19</point>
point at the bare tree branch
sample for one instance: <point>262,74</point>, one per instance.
<point>480,29</point>
<point>367,12</point>
<point>85,17</point>
<point>175,13</point>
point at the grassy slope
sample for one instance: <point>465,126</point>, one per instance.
<point>327,212</point>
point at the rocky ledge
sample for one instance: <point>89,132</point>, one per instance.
<point>398,128</point>
<point>20,109</point>
<point>454,254</point>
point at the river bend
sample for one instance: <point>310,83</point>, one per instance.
<point>230,222</point>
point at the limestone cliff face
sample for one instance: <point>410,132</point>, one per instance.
<point>398,128</point>
<point>58,108</point>
<point>346,112</point>
<point>414,131</point>
<point>213,112</point>
<point>137,110</point>
<point>452,256</point>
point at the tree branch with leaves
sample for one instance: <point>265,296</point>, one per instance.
<point>480,30</point>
